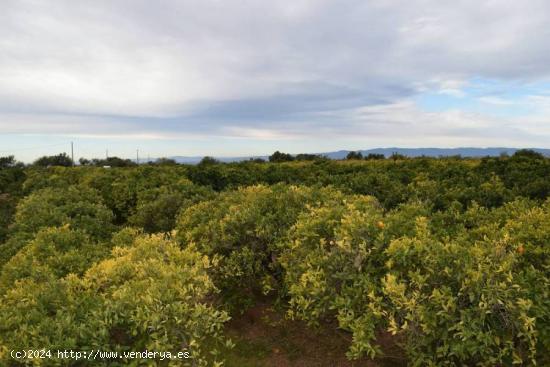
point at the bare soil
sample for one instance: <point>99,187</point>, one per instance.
<point>263,337</point>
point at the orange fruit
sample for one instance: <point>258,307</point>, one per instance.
<point>380,224</point>
<point>521,250</point>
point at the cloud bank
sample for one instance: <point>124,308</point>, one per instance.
<point>282,70</point>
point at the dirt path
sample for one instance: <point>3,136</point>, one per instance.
<point>264,337</point>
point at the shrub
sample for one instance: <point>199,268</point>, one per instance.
<point>149,296</point>
<point>458,303</point>
<point>157,208</point>
<point>54,251</point>
<point>241,228</point>
<point>332,264</point>
<point>78,207</point>
<point>468,299</point>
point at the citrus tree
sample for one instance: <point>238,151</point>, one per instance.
<point>149,295</point>
<point>242,228</point>
<point>157,208</point>
<point>76,206</point>
<point>333,261</point>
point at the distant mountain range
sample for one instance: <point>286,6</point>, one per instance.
<point>437,152</point>
<point>408,152</point>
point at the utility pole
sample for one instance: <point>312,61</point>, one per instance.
<point>72,153</point>
<point>137,156</point>
<point>106,154</point>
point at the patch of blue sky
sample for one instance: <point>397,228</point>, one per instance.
<point>504,99</point>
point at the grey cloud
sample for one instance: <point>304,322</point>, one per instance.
<point>215,67</point>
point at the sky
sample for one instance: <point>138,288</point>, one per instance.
<point>239,78</point>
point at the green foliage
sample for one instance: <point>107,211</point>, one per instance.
<point>477,298</point>
<point>36,308</point>
<point>154,296</point>
<point>488,181</point>
<point>458,303</point>
<point>150,295</point>
<point>309,157</point>
<point>332,263</point>
<point>242,229</point>
<point>52,177</point>
<point>528,154</point>
<point>11,181</point>
<point>157,208</point>
<point>9,162</point>
<point>108,162</point>
<point>205,161</point>
<point>449,255</point>
<point>354,155</point>
<point>120,188</point>
<point>61,159</point>
<point>378,185</point>
<point>164,162</point>
<point>280,157</point>
<point>7,210</point>
<point>53,252</point>
<point>375,156</point>
<point>77,207</point>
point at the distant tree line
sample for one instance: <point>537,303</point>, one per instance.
<point>63,160</point>
<point>110,161</point>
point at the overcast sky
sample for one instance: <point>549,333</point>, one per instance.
<point>232,78</point>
